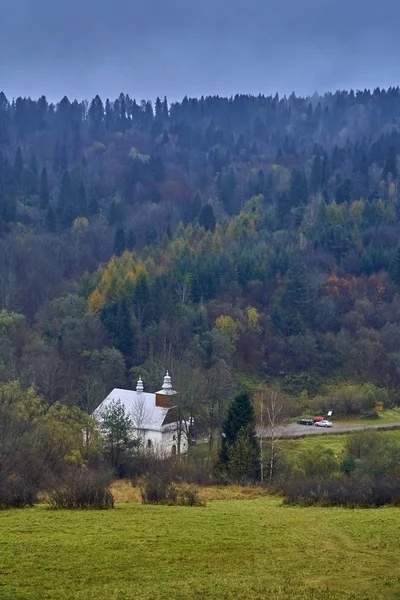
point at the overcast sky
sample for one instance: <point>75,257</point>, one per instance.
<point>147,48</point>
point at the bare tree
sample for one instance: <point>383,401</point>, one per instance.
<point>139,417</point>
<point>219,391</point>
<point>270,415</point>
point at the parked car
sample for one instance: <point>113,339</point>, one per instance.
<point>323,423</point>
<point>305,422</point>
<point>316,419</point>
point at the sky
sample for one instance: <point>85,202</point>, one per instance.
<point>81,48</point>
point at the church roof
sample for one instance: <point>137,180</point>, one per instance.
<point>139,406</point>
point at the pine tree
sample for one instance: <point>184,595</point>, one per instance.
<point>63,157</point>
<point>93,207</point>
<point>18,165</point>
<point>56,158</point>
<point>50,219</point>
<point>142,305</point>
<point>207,218</point>
<point>243,458</point>
<point>316,174</point>
<point>240,421</point>
<point>295,304</point>
<point>44,189</point>
<point>391,163</point>
<point>298,194</point>
<point>192,209</point>
<point>82,207</point>
<point>124,329</point>
<point>395,268</point>
<point>130,240</point>
<point>113,215</point>
<point>119,242</point>
<point>96,117</point>
<point>66,210</point>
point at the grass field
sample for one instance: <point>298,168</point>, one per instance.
<point>335,442</point>
<point>231,549</point>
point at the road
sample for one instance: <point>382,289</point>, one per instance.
<point>294,430</point>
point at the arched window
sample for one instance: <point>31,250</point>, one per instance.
<point>149,444</point>
<point>173,450</point>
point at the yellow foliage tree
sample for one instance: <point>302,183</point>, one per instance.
<point>229,326</point>
<point>116,281</point>
<point>253,317</point>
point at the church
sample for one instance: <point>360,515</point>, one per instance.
<point>153,416</point>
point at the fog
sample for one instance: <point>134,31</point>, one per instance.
<point>85,47</point>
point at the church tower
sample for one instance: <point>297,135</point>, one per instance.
<point>164,396</point>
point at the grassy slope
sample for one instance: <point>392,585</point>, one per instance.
<point>231,549</point>
<point>334,442</point>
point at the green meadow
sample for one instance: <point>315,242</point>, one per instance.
<point>230,549</point>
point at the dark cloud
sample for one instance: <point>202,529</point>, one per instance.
<point>84,47</point>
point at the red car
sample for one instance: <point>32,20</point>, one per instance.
<point>317,419</point>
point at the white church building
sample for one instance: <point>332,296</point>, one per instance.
<point>153,416</point>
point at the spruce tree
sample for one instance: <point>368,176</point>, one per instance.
<point>82,207</point>
<point>50,220</point>
<point>391,163</point>
<point>207,218</point>
<point>18,165</point>
<point>239,428</point>
<point>44,189</point>
<point>56,158</point>
<point>124,329</point>
<point>119,242</point>
<point>93,207</point>
<point>395,268</point>
<point>130,240</point>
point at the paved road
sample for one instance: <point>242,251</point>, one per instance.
<point>294,430</point>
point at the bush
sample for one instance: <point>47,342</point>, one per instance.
<point>342,491</point>
<point>371,414</point>
<point>16,492</point>
<point>158,490</point>
<point>82,489</point>
<point>193,471</point>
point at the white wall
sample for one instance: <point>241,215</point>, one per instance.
<point>162,442</point>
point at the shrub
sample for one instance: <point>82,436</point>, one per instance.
<point>16,492</point>
<point>189,497</point>
<point>371,414</point>
<point>342,491</point>
<point>159,490</point>
<point>82,489</point>
<point>193,471</point>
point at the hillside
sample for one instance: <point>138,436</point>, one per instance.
<point>212,236</point>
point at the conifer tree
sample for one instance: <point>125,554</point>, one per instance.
<point>93,206</point>
<point>130,240</point>
<point>391,163</point>
<point>44,189</point>
<point>207,218</point>
<point>119,242</point>
<point>82,207</point>
<point>395,268</point>
<point>18,165</point>
<point>50,219</point>
<point>56,158</point>
<point>239,428</point>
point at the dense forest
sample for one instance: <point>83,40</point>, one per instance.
<point>221,238</point>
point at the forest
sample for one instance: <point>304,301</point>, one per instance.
<point>227,239</point>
